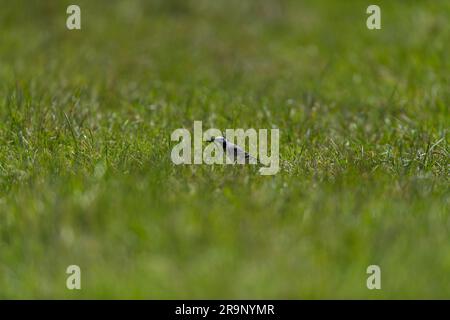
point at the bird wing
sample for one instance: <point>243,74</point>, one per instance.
<point>235,152</point>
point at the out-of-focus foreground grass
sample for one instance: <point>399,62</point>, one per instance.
<point>85,170</point>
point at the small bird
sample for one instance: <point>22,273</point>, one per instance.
<point>233,151</point>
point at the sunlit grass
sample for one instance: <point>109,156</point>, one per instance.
<point>85,170</point>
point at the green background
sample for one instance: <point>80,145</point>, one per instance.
<point>85,170</point>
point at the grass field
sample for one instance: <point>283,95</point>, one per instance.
<point>86,176</point>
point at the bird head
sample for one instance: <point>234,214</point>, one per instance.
<point>219,139</point>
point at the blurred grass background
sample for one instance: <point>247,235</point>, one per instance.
<point>85,170</point>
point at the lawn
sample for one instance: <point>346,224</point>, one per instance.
<point>86,176</point>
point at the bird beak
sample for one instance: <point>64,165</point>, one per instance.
<point>210,140</point>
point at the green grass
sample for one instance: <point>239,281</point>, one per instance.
<point>85,170</point>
